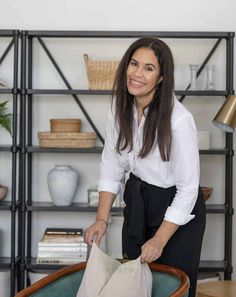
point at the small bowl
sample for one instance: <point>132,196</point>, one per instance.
<point>207,191</point>
<point>3,192</point>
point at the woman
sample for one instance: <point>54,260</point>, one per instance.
<point>151,135</point>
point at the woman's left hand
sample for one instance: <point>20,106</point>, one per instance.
<point>151,250</point>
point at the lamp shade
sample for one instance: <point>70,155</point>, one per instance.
<point>226,116</point>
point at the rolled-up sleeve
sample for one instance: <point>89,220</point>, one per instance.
<point>111,169</point>
<point>185,165</point>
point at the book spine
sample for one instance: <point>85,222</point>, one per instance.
<point>63,231</point>
<point>59,260</point>
<point>62,244</point>
<point>63,238</point>
<point>62,255</point>
<point>62,249</point>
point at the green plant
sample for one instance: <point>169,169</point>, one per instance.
<point>5,118</point>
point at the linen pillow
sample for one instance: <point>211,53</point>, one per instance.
<point>106,277</point>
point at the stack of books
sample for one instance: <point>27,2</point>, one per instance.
<point>62,246</point>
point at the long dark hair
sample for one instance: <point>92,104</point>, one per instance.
<point>157,128</point>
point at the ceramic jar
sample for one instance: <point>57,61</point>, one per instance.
<point>3,192</point>
<point>62,184</point>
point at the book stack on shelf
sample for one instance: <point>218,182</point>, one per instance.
<point>62,246</point>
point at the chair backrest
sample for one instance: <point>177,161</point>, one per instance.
<point>167,282</point>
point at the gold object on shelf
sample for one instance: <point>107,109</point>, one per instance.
<point>226,116</point>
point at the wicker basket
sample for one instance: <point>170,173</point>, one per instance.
<point>207,191</point>
<point>65,125</point>
<point>67,140</point>
<point>101,74</point>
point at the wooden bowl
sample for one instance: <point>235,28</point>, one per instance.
<point>65,125</point>
<point>207,191</point>
<point>3,192</point>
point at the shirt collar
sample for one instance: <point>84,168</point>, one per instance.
<point>135,113</point>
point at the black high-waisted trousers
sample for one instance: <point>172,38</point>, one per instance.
<point>144,212</point>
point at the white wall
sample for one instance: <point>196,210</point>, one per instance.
<point>156,15</point>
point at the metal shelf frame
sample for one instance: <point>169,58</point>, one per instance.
<point>109,92</point>
<point>27,149</point>
<point>95,150</point>
<point>12,205</point>
<point>85,207</point>
<point>205,266</point>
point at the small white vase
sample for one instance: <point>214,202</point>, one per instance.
<point>62,184</point>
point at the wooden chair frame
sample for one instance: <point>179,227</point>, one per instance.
<point>184,280</point>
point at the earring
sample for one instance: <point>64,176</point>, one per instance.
<point>159,81</point>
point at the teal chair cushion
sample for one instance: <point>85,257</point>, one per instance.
<point>67,286</point>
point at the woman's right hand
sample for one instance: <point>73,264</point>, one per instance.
<point>95,232</point>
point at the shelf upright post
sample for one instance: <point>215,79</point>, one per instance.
<point>29,154</point>
<point>22,164</point>
<point>14,150</point>
<point>229,164</point>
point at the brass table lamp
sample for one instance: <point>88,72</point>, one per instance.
<point>226,116</point>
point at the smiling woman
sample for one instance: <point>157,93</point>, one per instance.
<point>143,74</point>
<point>146,135</point>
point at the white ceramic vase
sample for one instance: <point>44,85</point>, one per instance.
<point>62,184</point>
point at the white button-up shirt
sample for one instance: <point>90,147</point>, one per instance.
<point>182,170</point>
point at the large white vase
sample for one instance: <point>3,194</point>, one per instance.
<point>62,184</point>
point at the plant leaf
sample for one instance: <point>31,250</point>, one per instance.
<point>5,118</point>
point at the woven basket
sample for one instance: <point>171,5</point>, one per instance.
<point>67,140</point>
<point>65,125</point>
<point>101,74</point>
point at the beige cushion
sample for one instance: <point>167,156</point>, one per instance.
<point>106,277</point>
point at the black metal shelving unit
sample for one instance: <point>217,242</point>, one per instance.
<point>29,204</point>
<point>10,263</point>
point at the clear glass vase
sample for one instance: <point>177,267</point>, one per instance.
<point>193,77</point>
<point>210,83</point>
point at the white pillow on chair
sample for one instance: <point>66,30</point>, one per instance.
<point>106,277</point>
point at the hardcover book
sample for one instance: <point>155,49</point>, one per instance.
<point>78,244</point>
<point>61,260</point>
<point>64,231</point>
<point>56,248</point>
<point>63,255</point>
<point>62,238</point>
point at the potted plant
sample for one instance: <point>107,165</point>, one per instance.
<point>5,122</point>
<point>5,117</point>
